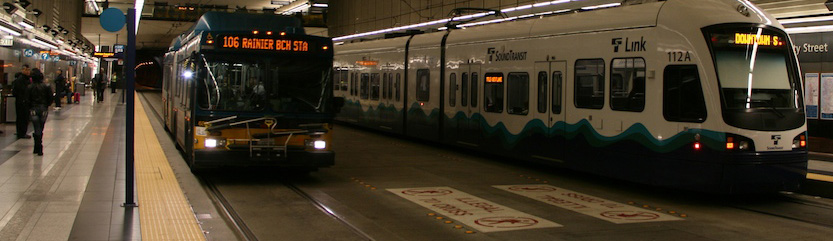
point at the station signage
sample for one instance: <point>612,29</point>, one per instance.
<point>759,39</point>
<point>262,43</point>
<point>494,79</point>
<point>6,42</point>
<point>103,54</point>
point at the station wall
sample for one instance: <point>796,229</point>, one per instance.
<point>815,54</point>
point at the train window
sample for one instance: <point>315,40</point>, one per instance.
<point>518,93</point>
<point>355,84</point>
<point>384,86</point>
<point>464,92</point>
<point>590,87</point>
<point>474,89</point>
<point>343,81</point>
<point>398,78</point>
<point>365,86</point>
<point>627,84</point>
<point>390,86</point>
<point>493,92</point>
<point>682,94</point>
<point>337,80</point>
<point>423,88</point>
<point>452,90</point>
<point>557,91</point>
<point>374,86</point>
<point>542,92</point>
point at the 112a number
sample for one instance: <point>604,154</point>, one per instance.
<point>679,56</point>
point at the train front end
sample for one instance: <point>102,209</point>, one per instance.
<point>754,138</point>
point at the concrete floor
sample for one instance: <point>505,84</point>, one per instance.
<point>368,164</point>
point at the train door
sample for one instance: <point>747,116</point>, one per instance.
<point>550,96</point>
<point>468,129</point>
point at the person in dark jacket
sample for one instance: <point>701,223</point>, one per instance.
<point>21,82</point>
<point>100,84</point>
<point>60,84</point>
<point>39,96</point>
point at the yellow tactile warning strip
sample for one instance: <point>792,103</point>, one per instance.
<point>164,213</point>
<point>819,177</point>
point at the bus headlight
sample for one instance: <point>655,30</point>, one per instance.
<point>319,144</point>
<point>214,143</point>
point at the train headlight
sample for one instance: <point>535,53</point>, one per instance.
<point>744,145</point>
<point>319,144</point>
<point>800,142</point>
<point>738,143</point>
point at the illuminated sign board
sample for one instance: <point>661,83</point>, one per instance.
<point>760,40</point>
<point>255,43</point>
<point>367,63</point>
<point>494,79</point>
<point>103,55</point>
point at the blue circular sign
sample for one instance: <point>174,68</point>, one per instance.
<point>112,19</point>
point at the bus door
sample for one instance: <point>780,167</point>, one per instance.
<point>549,109</point>
<point>468,129</point>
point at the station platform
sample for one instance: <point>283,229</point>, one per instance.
<point>76,190</point>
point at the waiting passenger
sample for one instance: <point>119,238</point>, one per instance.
<point>39,96</point>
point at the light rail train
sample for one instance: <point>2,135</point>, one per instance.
<point>701,95</point>
<point>250,90</point>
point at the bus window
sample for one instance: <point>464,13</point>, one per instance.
<point>518,93</point>
<point>452,90</point>
<point>493,93</point>
<point>423,85</point>
<point>590,87</point>
<point>627,84</point>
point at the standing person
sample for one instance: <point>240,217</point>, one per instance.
<point>39,96</point>
<point>60,84</point>
<point>21,82</point>
<point>113,84</point>
<point>99,83</point>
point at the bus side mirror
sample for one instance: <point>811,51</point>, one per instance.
<point>338,103</point>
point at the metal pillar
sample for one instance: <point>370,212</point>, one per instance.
<point>131,106</point>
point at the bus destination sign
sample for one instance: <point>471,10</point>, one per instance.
<point>255,43</point>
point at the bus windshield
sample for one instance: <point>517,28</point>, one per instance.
<point>260,83</point>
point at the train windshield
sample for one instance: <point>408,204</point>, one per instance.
<point>261,83</point>
<point>757,76</point>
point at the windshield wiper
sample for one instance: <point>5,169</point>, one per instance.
<point>769,105</point>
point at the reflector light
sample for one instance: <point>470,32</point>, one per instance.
<point>697,146</point>
<point>209,41</point>
<point>730,143</point>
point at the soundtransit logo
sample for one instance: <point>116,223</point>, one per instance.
<point>503,55</point>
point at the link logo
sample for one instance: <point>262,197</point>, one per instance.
<point>630,46</point>
<point>775,139</point>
